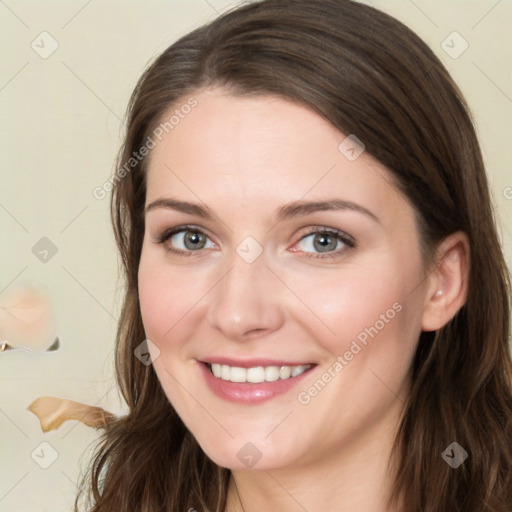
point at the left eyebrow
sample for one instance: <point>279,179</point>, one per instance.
<point>287,211</point>
<point>300,208</point>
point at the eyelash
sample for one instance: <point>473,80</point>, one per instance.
<point>348,241</point>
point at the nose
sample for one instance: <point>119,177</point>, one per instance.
<point>247,302</point>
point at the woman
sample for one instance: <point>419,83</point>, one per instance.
<point>308,241</point>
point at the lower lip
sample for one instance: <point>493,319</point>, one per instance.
<point>247,392</point>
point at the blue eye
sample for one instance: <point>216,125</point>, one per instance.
<point>185,240</point>
<point>326,243</point>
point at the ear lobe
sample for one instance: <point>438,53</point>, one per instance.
<point>448,282</point>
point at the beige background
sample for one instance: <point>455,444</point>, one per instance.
<point>59,132</point>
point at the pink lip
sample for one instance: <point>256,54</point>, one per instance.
<point>246,392</point>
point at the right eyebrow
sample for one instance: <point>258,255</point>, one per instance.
<point>180,206</point>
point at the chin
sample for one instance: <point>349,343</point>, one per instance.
<point>241,454</point>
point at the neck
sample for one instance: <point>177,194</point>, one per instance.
<point>356,477</point>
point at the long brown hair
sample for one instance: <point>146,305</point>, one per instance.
<point>369,75</point>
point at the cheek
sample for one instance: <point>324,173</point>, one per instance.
<point>162,297</point>
<point>375,321</point>
<point>166,305</point>
<point>152,300</point>
<point>169,295</point>
<point>372,302</point>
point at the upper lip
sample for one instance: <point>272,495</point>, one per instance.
<point>252,363</point>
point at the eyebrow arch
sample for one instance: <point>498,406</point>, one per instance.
<point>287,211</point>
<point>299,208</point>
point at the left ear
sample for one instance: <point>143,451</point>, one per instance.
<point>448,282</point>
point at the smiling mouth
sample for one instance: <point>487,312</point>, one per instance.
<point>257,374</point>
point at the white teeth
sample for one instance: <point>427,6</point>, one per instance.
<point>237,374</point>
<point>216,370</point>
<point>297,370</point>
<point>257,374</point>
<point>272,373</point>
<point>225,372</point>
<point>285,372</point>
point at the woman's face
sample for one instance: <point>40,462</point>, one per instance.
<point>272,249</point>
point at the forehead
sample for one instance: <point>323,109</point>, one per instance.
<point>261,151</point>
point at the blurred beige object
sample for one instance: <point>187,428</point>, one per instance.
<point>26,321</point>
<point>53,412</point>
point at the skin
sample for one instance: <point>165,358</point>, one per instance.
<point>244,158</point>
